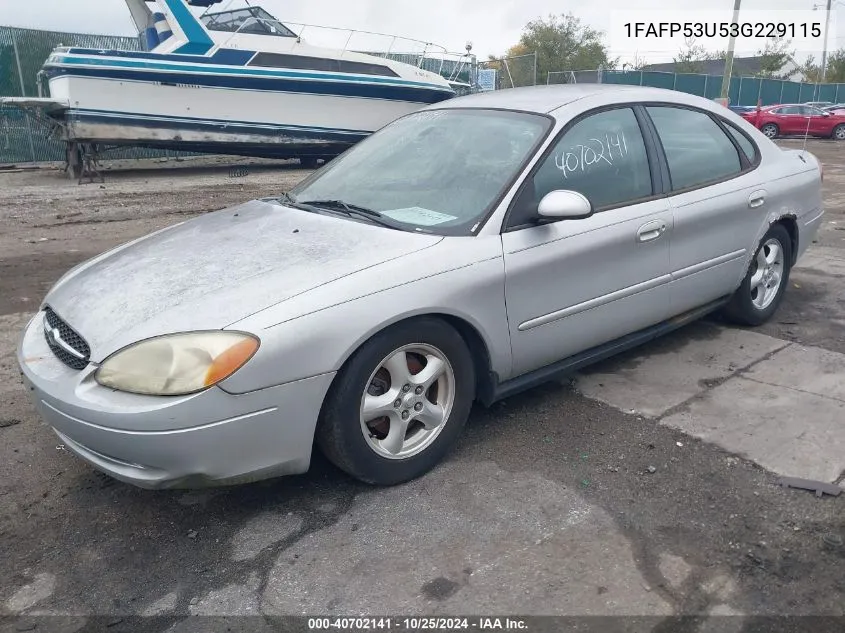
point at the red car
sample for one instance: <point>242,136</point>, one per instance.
<point>797,120</point>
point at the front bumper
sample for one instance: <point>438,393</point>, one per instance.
<point>209,438</point>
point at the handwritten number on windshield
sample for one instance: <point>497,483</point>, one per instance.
<point>608,150</point>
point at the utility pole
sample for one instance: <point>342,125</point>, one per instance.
<point>824,52</point>
<point>729,59</point>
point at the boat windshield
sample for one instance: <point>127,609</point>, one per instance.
<point>254,20</point>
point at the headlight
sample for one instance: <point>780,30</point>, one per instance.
<point>177,364</point>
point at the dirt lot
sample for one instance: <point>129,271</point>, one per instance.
<point>623,492</point>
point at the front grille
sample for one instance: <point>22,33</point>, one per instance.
<point>64,341</point>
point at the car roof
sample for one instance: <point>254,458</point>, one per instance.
<point>545,99</point>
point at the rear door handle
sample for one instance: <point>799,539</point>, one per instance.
<point>757,199</point>
<point>651,231</point>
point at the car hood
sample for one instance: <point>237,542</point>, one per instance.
<point>216,269</point>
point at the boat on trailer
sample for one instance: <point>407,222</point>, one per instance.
<point>233,82</point>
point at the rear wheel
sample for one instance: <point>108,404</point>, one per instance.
<point>761,292</point>
<point>839,132</point>
<point>309,162</point>
<point>399,403</point>
<point>770,130</point>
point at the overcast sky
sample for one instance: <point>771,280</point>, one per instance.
<point>492,25</point>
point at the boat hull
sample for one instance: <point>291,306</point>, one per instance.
<point>254,116</point>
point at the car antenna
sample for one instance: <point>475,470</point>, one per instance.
<point>819,76</point>
<point>816,90</point>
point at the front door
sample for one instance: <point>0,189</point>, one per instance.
<point>791,120</point>
<point>574,284</point>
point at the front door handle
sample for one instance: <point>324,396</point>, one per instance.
<point>651,231</point>
<point>757,199</point>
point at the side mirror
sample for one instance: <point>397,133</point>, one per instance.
<point>564,204</point>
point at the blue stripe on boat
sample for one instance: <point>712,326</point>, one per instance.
<point>270,84</point>
<point>222,56</point>
<point>152,64</point>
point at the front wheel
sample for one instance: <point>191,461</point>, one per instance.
<point>770,130</point>
<point>399,403</point>
<point>839,132</point>
<point>761,292</point>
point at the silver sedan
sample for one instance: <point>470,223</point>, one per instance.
<point>467,251</point>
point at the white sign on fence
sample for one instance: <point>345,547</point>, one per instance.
<point>487,79</point>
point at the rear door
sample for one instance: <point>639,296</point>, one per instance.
<point>791,120</point>
<point>718,200</point>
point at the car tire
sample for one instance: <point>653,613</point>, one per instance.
<point>352,434</point>
<point>839,132</point>
<point>770,130</point>
<point>761,292</point>
<point>309,162</point>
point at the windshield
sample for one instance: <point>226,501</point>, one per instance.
<point>438,171</point>
<point>254,20</point>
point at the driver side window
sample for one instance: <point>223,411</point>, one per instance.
<point>602,156</point>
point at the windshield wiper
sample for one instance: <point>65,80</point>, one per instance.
<point>292,202</point>
<point>352,209</point>
<point>340,204</point>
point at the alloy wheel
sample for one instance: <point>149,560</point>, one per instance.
<point>768,274</point>
<point>407,401</point>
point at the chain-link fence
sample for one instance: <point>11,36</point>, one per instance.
<point>573,77</point>
<point>508,72</point>
<point>22,53</point>
<point>743,90</point>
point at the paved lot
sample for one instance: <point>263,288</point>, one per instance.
<point>548,506</point>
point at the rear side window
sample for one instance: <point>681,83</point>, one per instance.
<point>696,148</point>
<point>743,141</point>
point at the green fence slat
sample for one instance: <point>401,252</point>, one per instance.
<point>733,89</point>
<point>659,80</point>
<point>827,92</point>
<point>749,91</point>
<point>692,84</point>
<point>629,78</point>
<point>770,91</point>
<point>713,85</point>
<point>806,92</point>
